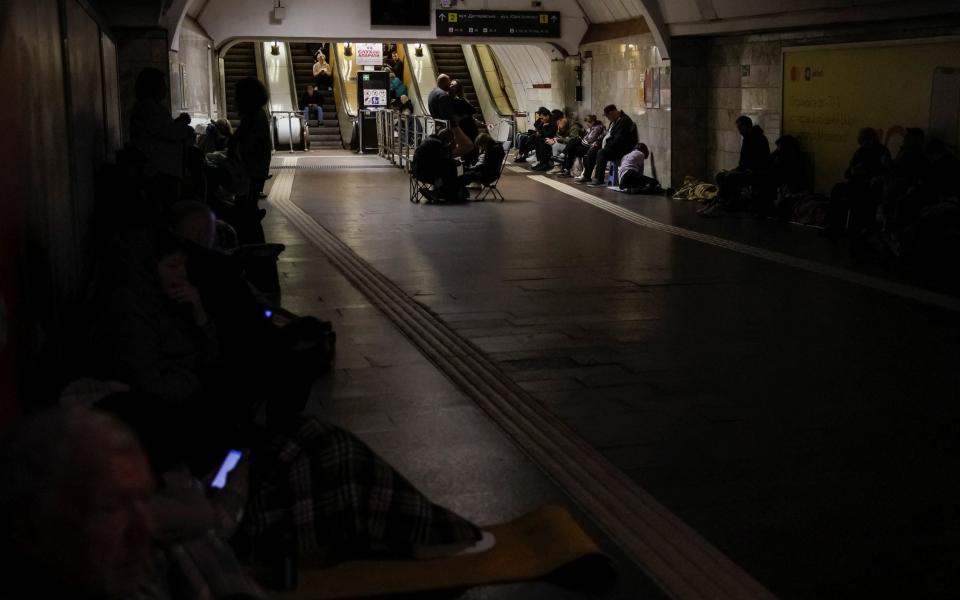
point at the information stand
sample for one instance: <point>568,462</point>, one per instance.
<point>372,94</point>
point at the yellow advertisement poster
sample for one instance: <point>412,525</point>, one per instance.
<point>829,93</point>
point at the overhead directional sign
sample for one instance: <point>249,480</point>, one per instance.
<point>498,23</point>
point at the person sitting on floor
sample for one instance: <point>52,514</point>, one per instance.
<point>620,139</point>
<point>631,173</point>
<point>752,170</point>
<point>75,515</point>
<point>311,103</point>
<point>580,147</point>
<point>433,163</point>
<point>487,168</point>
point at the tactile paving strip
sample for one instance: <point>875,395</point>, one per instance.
<point>677,558</point>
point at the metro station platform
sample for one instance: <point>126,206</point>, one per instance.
<point>733,402</point>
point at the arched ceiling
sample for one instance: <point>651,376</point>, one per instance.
<point>700,17</point>
<point>225,19</point>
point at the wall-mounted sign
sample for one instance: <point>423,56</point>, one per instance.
<point>374,98</point>
<point>372,89</point>
<point>498,23</point>
<point>369,54</point>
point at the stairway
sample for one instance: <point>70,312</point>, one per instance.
<point>239,62</point>
<point>327,133</point>
<point>449,59</point>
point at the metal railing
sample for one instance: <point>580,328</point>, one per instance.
<point>398,134</point>
<point>503,130</point>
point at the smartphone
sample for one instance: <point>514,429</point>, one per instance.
<point>229,463</point>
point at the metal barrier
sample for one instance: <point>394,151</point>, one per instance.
<point>399,134</point>
<point>503,130</point>
<point>290,115</point>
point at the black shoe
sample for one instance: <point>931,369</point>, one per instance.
<point>520,159</point>
<point>542,167</point>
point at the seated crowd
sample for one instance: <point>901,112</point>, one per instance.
<point>457,155</point>
<point>910,202</point>
<point>558,141</point>
<point>187,362</point>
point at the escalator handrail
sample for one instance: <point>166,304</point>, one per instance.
<point>339,84</point>
<point>503,88</point>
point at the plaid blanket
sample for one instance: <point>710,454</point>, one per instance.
<point>337,496</point>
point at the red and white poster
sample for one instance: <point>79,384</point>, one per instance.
<point>370,54</point>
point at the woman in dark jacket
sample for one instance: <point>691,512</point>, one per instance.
<point>463,113</point>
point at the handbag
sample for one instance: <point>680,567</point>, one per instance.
<point>462,144</point>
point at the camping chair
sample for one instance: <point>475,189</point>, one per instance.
<point>491,188</point>
<point>421,192</point>
<point>417,189</point>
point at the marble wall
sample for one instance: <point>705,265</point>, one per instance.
<point>191,73</point>
<point>614,74</point>
<point>717,79</point>
<point>744,79</point>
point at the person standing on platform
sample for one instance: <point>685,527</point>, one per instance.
<point>439,102</point>
<point>251,145</point>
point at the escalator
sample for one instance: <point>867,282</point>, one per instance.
<point>449,59</point>
<point>325,134</point>
<point>239,61</point>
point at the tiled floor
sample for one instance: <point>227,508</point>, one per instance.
<point>386,392</point>
<point>805,425</point>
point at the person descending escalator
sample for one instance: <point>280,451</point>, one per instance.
<point>321,72</point>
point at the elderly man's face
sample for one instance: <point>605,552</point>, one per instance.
<point>119,526</point>
<point>102,535</point>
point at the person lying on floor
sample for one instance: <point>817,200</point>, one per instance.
<point>313,488</point>
<point>75,521</point>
